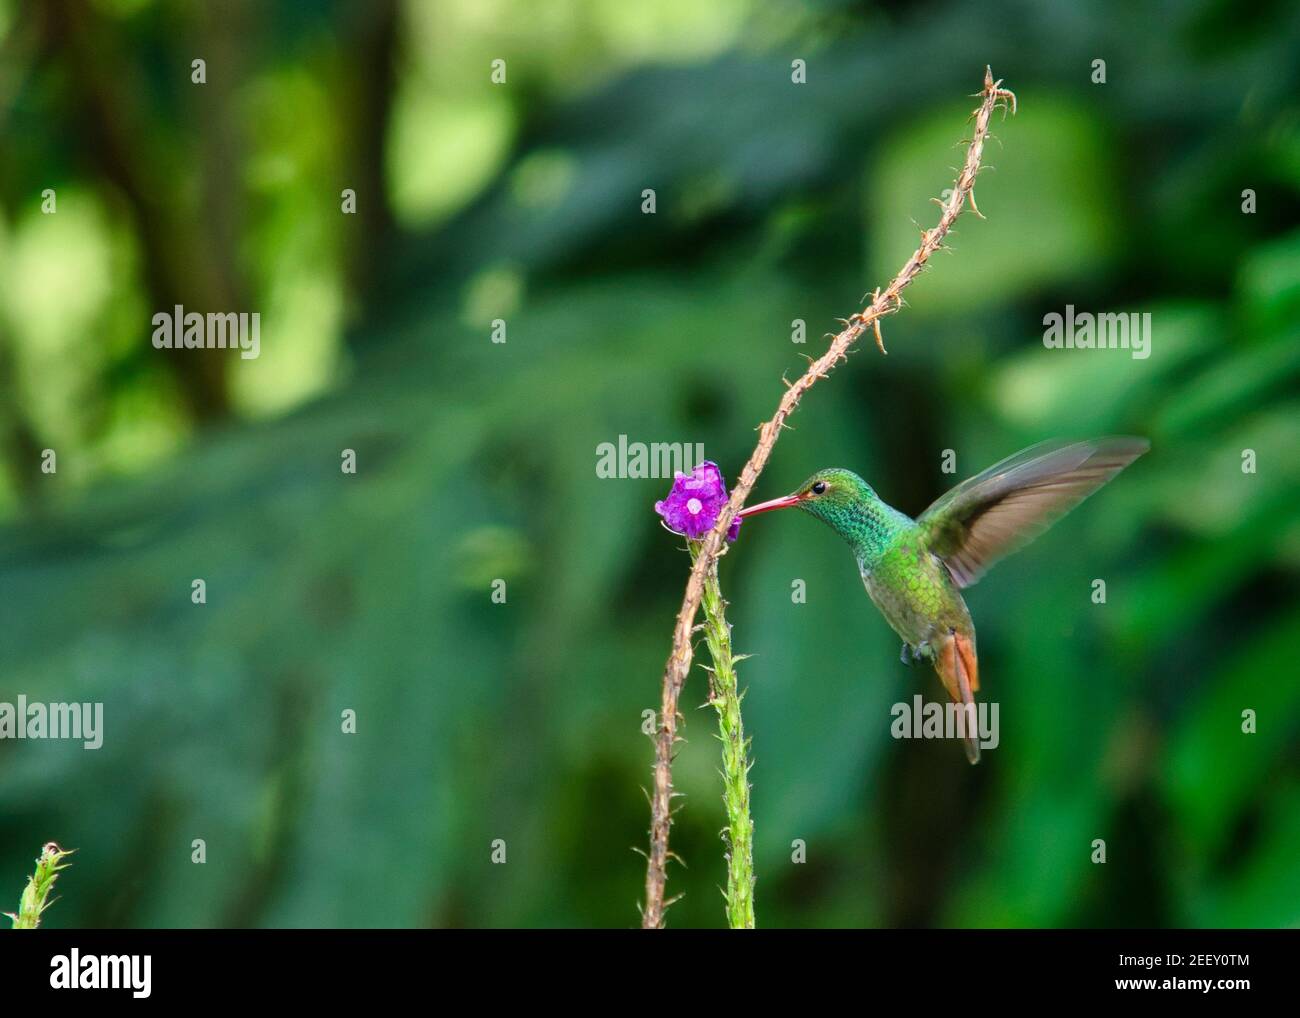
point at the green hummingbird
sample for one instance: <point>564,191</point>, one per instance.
<point>914,570</point>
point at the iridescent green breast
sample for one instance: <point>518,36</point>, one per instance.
<point>913,589</point>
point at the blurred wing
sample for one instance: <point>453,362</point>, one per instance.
<point>1012,502</point>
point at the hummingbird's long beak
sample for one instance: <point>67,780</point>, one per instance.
<point>784,502</point>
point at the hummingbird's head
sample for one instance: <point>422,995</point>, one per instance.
<point>833,495</point>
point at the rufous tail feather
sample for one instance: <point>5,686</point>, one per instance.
<point>957,666</point>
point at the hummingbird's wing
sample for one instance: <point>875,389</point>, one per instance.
<point>1012,502</point>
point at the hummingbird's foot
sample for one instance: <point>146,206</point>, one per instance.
<point>908,654</point>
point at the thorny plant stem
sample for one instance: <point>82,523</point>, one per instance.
<point>884,302</point>
<point>724,694</point>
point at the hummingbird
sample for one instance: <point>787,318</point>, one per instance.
<point>915,569</point>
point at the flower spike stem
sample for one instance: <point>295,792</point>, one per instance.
<point>36,895</point>
<point>884,302</point>
<point>724,694</point>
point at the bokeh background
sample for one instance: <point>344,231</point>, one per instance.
<point>476,461</point>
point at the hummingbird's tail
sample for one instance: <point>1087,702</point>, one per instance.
<point>955,661</point>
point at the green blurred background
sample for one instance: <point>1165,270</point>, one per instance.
<point>476,460</point>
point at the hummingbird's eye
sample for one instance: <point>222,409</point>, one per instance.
<point>818,488</point>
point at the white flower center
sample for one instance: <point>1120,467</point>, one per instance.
<point>694,506</point>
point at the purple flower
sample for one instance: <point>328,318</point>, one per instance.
<point>696,501</point>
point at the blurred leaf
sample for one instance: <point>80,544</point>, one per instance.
<point>1212,765</point>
